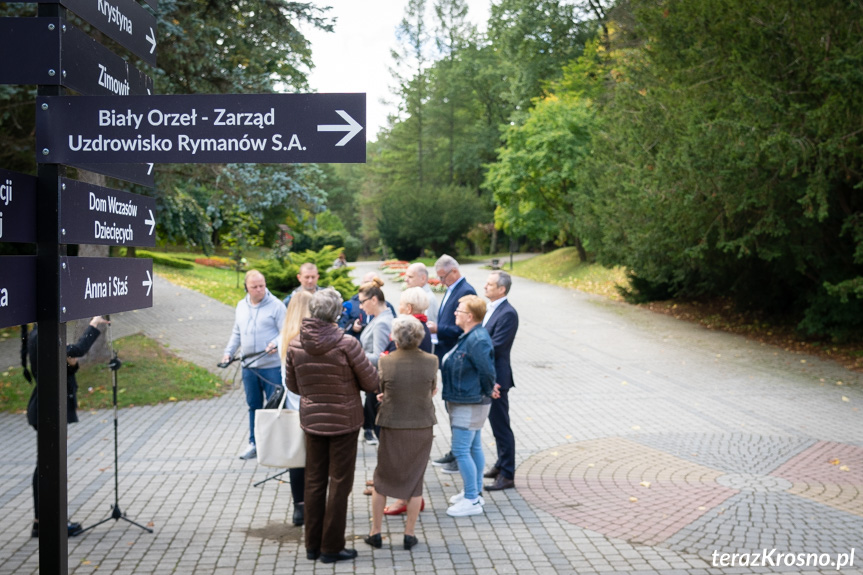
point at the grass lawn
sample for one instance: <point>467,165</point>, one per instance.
<point>219,284</point>
<point>563,267</point>
<point>150,375</point>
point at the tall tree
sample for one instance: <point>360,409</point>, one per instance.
<point>410,71</point>
<point>534,39</point>
<point>453,34</point>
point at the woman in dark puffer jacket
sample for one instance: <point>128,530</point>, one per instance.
<point>328,369</point>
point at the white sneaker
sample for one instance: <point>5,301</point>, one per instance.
<point>464,508</point>
<point>460,495</point>
<point>250,453</point>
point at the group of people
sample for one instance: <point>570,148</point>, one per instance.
<point>326,351</point>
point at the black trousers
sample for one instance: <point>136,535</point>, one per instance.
<point>298,484</point>
<point>498,417</point>
<point>370,413</point>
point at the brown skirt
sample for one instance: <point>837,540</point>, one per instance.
<point>403,455</point>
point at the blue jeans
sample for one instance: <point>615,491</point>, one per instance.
<point>259,385</point>
<point>467,449</point>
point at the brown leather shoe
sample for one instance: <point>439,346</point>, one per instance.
<point>500,483</point>
<point>492,473</point>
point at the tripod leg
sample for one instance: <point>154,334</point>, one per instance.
<point>277,475</point>
<point>147,529</point>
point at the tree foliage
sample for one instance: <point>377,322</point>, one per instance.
<point>728,160</point>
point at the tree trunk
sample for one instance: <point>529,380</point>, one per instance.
<point>582,255</point>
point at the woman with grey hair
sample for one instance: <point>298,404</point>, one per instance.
<point>327,369</point>
<point>408,378</point>
<point>413,302</point>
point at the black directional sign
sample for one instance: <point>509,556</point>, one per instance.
<point>136,173</point>
<point>17,207</point>
<point>92,214</point>
<point>200,129</point>
<point>99,286</point>
<point>50,51</point>
<point>125,21</point>
<point>17,290</point>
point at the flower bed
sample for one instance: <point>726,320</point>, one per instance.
<point>216,262</point>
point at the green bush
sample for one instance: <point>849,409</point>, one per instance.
<point>282,274</point>
<point>165,260</point>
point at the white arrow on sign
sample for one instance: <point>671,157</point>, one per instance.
<point>148,282</point>
<point>151,38</point>
<point>352,127</point>
<point>151,222</point>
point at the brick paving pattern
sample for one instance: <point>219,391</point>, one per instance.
<point>644,446</point>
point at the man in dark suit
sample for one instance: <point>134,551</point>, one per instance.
<point>501,322</point>
<point>446,268</point>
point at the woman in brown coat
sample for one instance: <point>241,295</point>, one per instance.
<point>406,417</point>
<point>327,369</point>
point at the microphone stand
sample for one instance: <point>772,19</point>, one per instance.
<point>116,514</point>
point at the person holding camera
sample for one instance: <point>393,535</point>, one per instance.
<point>73,352</point>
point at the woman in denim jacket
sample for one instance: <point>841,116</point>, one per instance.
<point>468,389</point>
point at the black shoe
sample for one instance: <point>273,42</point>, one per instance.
<point>312,554</point>
<point>448,458</point>
<point>342,555</point>
<point>492,473</point>
<point>72,529</point>
<point>500,483</point>
<point>299,514</point>
<point>410,541</point>
<point>374,540</point>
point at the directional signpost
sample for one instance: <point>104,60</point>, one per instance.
<point>53,52</point>
<point>17,290</point>
<point>200,129</point>
<point>136,173</point>
<point>17,207</point>
<point>117,127</point>
<point>52,211</point>
<point>95,215</point>
<point>100,286</point>
<point>125,21</point>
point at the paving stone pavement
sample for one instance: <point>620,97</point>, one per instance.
<point>645,445</point>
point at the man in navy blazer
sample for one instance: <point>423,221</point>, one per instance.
<point>457,287</point>
<point>501,322</point>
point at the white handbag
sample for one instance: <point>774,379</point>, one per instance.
<point>279,438</point>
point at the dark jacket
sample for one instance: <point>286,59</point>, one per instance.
<point>425,345</point>
<point>408,380</point>
<point>447,331</point>
<point>468,373</point>
<point>327,369</point>
<point>77,349</point>
<point>501,327</point>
